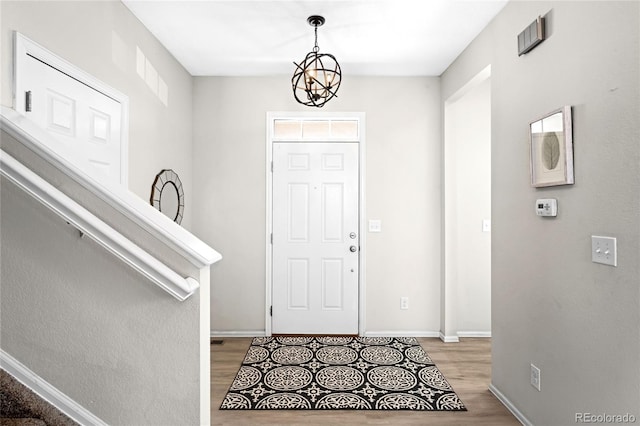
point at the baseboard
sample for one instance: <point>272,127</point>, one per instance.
<point>401,334</point>
<point>512,408</point>
<point>48,392</point>
<point>449,339</point>
<point>474,334</point>
<point>250,333</point>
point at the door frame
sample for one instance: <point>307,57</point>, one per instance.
<point>450,286</point>
<point>316,116</point>
<point>24,47</point>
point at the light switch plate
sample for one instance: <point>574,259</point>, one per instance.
<point>535,377</point>
<point>375,225</point>
<point>604,250</point>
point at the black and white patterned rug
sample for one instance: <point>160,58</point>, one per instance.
<point>321,373</point>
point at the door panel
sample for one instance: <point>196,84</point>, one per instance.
<point>298,284</point>
<point>61,116</point>
<point>332,284</point>
<point>332,212</point>
<point>315,224</point>
<point>298,211</point>
<point>85,123</point>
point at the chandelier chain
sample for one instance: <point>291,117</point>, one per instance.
<point>315,47</point>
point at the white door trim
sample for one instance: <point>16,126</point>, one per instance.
<point>25,47</point>
<point>449,329</point>
<point>314,116</point>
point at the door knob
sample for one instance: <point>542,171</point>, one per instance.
<point>353,249</point>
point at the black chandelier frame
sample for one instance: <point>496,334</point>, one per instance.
<point>317,78</point>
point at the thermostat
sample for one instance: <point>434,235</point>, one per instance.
<point>547,207</point>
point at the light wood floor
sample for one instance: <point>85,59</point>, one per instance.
<point>466,365</point>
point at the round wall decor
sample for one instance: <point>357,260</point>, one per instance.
<point>167,195</point>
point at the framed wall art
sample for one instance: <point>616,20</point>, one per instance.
<point>167,195</point>
<point>551,149</point>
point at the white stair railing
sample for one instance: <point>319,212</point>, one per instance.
<point>91,226</point>
<point>120,198</point>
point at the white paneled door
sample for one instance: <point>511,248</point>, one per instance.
<point>85,122</point>
<point>315,238</point>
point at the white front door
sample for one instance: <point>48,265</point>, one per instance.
<point>86,123</point>
<point>315,238</point>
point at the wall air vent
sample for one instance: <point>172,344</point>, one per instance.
<point>532,36</point>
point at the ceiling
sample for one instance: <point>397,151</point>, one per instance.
<point>264,37</point>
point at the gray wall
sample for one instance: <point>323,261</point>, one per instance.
<point>551,306</point>
<point>80,319</point>
<point>90,325</point>
<point>101,37</point>
<point>402,188</point>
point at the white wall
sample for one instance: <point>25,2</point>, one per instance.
<point>467,194</point>
<point>403,190</point>
<point>551,306</point>
<point>101,37</point>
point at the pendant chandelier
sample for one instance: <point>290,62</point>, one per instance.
<point>317,78</point>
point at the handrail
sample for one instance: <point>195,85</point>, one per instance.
<point>88,224</point>
<point>133,207</point>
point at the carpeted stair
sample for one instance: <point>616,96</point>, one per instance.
<point>19,406</point>
<point>5,421</point>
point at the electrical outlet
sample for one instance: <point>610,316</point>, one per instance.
<point>535,377</point>
<point>404,303</point>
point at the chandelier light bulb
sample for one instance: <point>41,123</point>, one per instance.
<point>311,74</point>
